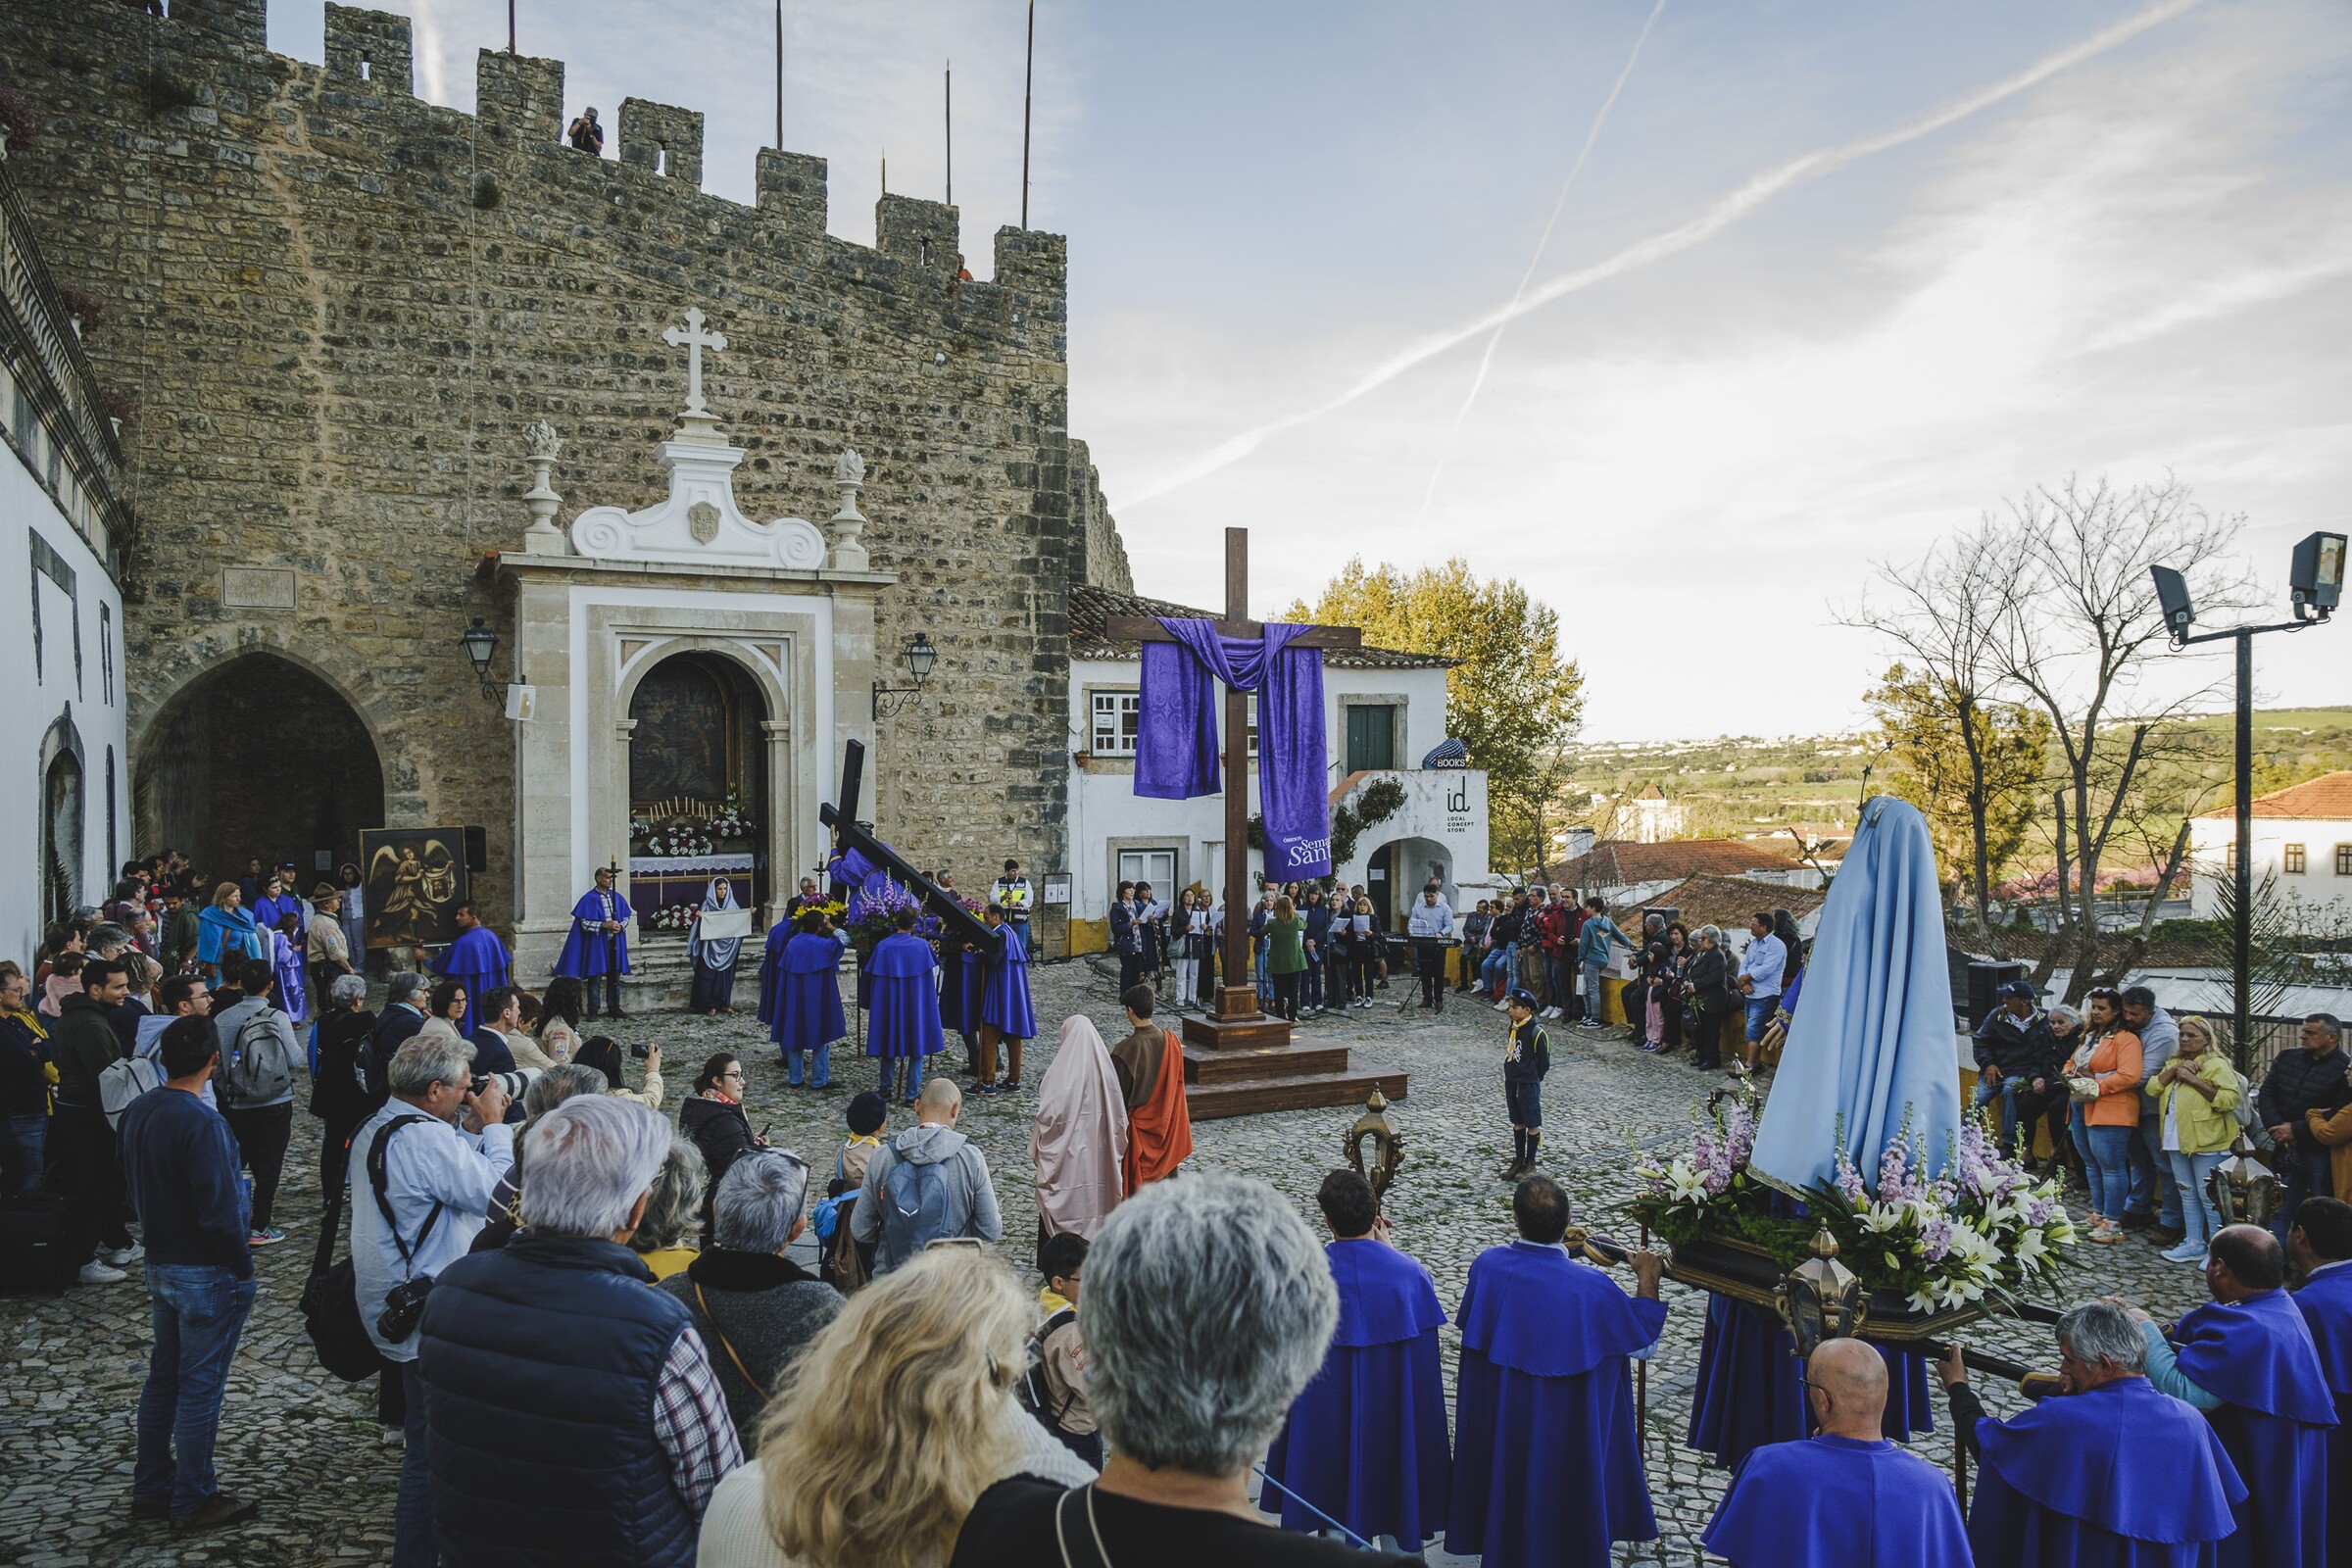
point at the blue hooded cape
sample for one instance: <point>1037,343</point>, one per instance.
<point>2326,1303</point>
<point>904,1002</point>
<point>1750,1389</point>
<point>1547,1466</point>
<point>1804,1503</point>
<point>584,950</point>
<point>2258,1354</point>
<point>1366,1440</point>
<point>2120,1476</point>
<point>1004,989</point>
<point>218,929</point>
<point>806,988</point>
<point>477,960</point>
<point>1874,1043</point>
<point>960,988</point>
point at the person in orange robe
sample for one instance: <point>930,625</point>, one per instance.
<point>1151,1068</point>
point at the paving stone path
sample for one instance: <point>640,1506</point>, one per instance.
<point>310,1449</point>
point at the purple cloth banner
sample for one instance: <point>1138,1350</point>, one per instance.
<point>1177,755</point>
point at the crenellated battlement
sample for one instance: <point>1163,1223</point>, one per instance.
<point>519,111</point>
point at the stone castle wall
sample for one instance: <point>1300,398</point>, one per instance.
<point>338,308</point>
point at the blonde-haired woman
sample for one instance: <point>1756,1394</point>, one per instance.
<point>891,1426</point>
<point>2196,1095</point>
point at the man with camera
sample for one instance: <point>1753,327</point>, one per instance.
<point>420,1190</point>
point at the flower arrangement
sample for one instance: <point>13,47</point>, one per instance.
<point>640,828</point>
<point>678,843</point>
<point>670,917</point>
<point>1971,1237</point>
<point>877,918</point>
<point>732,822</point>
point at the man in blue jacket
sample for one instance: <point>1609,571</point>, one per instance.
<point>1593,955</point>
<point>181,1165</point>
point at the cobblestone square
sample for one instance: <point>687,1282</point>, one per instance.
<point>308,1446</point>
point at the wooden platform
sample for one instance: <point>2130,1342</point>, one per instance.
<point>1245,1065</point>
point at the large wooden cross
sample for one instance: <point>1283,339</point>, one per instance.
<point>957,922</point>
<point>1236,981</point>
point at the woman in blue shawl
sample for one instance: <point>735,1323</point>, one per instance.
<point>714,956</point>
<point>226,932</point>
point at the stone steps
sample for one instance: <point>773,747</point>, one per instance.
<point>1287,1091</point>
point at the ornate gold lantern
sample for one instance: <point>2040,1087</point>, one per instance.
<point>2245,1189</point>
<point>1819,1299</point>
<point>1388,1146</point>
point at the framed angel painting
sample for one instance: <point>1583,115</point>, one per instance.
<point>415,879</point>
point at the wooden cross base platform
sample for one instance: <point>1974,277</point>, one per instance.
<point>1239,1061</point>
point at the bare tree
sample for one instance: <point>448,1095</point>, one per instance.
<point>1945,617</point>
<point>2077,629</point>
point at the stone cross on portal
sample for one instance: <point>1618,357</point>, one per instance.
<point>1236,1002</point>
<point>693,339</point>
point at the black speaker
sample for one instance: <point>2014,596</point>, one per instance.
<point>478,848</point>
<point>1984,981</point>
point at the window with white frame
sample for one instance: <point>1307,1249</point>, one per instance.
<point>1155,866</point>
<point>1118,717</point>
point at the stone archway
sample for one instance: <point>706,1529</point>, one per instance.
<point>1395,871</point>
<point>260,757</point>
<point>698,740</point>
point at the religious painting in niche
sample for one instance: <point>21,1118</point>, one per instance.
<point>679,747</point>
<point>415,879</point>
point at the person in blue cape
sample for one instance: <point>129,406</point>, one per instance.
<point>1366,1443</point>
<point>713,991</point>
<point>961,970</point>
<point>1751,1387</point>
<point>1548,1464</point>
<point>277,900</point>
<point>598,946</point>
<point>477,960</point>
<point>2246,1360</point>
<point>226,933</point>
<point>2112,1473</point>
<point>904,1027</point>
<point>1845,1495</point>
<point>1007,1016</point>
<point>2319,1241</point>
<point>799,996</point>
<point>867,881</point>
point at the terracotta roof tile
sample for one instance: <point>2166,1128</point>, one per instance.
<point>1091,607</point>
<point>2327,799</point>
<point>1726,902</point>
<point>1673,858</point>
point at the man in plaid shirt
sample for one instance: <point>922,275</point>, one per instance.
<point>533,1357</point>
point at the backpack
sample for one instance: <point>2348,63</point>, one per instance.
<point>123,1081</point>
<point>1031,1390</point>
<point>246,1077</point>
<point>921,1207</point>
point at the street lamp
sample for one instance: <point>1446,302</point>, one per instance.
<point>918,656</point>
<point>2315,585</point>
<point>482,645</point>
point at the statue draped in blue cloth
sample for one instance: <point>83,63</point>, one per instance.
<point>1366,1441</point>
<point>904,1027</point>
<point>800,998</point>
<point>2113,1473</point>
<point>477,960</point>
<point>1848,1496</point>
<point>1548,1464</point>
<point>2321,1242</point>
<point>2247,1361</point>
<point>597,947</point>
<point>1007,1016</point>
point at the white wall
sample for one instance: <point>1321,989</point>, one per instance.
<point>33,699</point>
<point>1107,814</point>
<point>2317,886</point>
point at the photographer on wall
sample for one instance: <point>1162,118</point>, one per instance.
<point>420,1190</point>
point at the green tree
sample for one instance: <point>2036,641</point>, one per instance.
<point>1511,698</point>
<point>1972,765</point>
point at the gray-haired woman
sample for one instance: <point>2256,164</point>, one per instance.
<point>1207,1308</point>
<point>1708,980</point>
<point>339,1096</point>
<point>671,1210</point>
<point>755,1310</point>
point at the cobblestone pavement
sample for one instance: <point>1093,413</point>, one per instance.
<point>308,1448</point>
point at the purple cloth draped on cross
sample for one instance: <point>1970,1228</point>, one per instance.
<point>1177,755</point>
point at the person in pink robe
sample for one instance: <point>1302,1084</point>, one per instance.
<point>1080,1137</point>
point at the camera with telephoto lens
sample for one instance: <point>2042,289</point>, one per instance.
<point>515,1083</point>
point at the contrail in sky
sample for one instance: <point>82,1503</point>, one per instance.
<point>1758,190</point>
<point>1487,359</point>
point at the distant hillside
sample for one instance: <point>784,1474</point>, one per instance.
<point>1738,785</point>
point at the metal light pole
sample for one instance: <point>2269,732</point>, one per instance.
<point>2315,583</point>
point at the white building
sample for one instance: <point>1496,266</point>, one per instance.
<point>2302,837</point>
<point>65,810</point>
<point>1385,714</point>
<point>1652,818</point>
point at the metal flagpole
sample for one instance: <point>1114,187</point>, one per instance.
<point>948,111</point>
<point>779,76</point>
<point>1028,77</point>
<point>510,27</point>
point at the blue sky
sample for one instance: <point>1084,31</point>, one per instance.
<point>2090,237</point>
